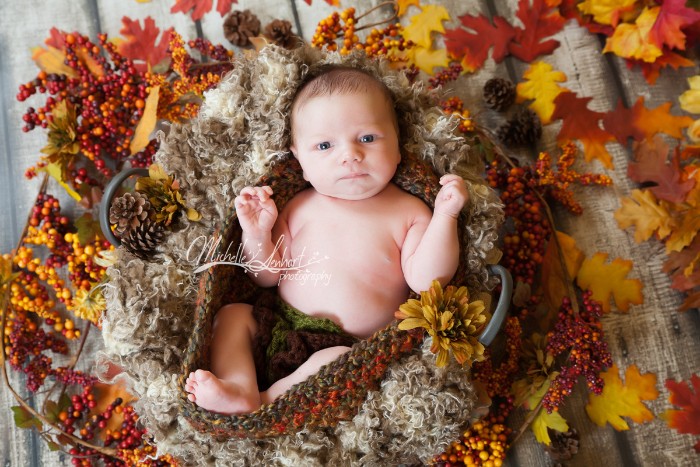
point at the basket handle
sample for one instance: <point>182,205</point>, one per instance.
<point>106,202</point>
<point>499,315</point>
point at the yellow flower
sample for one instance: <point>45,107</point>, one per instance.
<point>63,142</point>
<point>89,305</point>
<point>450,319</point>
<point>164,195</point>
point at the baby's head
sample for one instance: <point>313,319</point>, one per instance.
<point>344,133</point>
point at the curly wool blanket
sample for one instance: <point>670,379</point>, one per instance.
<point>240,132</point>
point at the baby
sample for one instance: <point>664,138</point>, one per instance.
<point>379,239</point>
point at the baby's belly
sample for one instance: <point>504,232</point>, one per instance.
<point>359,292</point>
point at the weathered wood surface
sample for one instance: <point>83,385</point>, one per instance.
<point>653,336</point>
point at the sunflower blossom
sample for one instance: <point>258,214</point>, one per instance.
<point>63,144</point>
<point>452,322</point>
<point>164,195</point>
<point>89,305</point>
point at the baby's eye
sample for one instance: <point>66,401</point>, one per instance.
<point>367,139</point>
<point>324,146</point>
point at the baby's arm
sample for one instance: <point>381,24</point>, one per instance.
<point>257,214</point>
<point>431,247</point>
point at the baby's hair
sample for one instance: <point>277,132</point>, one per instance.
<point>339,79</point>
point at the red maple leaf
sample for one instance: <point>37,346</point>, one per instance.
<point>141,43</point>
<point>540,21</point>
<point>580,122</point>
<point>224,6</point>
<point>200,7</point>
<point>687,419</point>
<point>673,17</point>
<point>676,264</point>
<point>473,47</point>
<point>653,165</point>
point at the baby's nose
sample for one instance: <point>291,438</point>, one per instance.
<point>352,154</point>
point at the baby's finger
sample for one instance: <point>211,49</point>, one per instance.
<point>447,178</point>
<point>268,190</point>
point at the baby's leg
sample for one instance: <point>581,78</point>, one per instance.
<point>231,386</point>
<point>308,368</point>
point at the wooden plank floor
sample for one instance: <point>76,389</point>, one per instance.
<point>653,335</point>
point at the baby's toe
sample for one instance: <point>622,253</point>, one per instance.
<point>192,398</point>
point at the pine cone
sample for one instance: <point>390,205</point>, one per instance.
<point>279,32</point>
<point>143,240</point>
<point>128,211</point>
<point>564,445</point>
<point>499,93</point>
<point>524,129</point>
<point>240,26</point>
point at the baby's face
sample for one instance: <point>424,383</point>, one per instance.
<point>347,144</point>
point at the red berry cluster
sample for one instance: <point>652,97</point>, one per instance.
<point>108,99</point>
<point>498,381</point>
<point>581,336</point>
<point>445,76</point>
<point>523,249</point>
<point>50,227</point>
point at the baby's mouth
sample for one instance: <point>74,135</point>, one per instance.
<point>354,175</point>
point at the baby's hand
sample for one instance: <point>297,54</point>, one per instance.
<point>452,196</point>
<point>256,211</point>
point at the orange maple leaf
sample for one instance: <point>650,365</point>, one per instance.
<point>682,267</point>
<point>623,400</point>
<point>640,123</point>
<point>402,6</point>
<point>607,281</point>
<point>580,122</point>
<point>688,222</point>
<point>106,395</point>
<point>141,43</point>
<point>651,71</point>
<point>633,41</point>
<point>647,215</point>
<point>687,419</point>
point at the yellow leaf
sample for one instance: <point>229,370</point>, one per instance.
<point>51,61</point>
<point>607,281</point>
<point>142,133</point>
<point>632,40</point>
<point>54,170</point>
<point>553,279</point>
<point>402,6</point>
<point>541,86</point>
<point>690,99</point>
<point>623,400</point>
<point>427,59</point>
<point>608,11</point>
<point>424,23</point>
<point>644,213</point>
<point>545,420</point>
<point>688,224</point>
<point>694,132</point>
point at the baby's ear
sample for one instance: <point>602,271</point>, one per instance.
<point>293,150</point>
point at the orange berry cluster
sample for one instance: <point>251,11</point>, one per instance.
<point>455,106</point>
<point>557,184</point>
<point>483,444</point>
<point>387,42</point>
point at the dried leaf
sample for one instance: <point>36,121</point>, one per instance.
<point>579,122</point>
<point>672,18</point>
<point>554,282</point>
<point>687,419</point>
<point>141,43</point>
<point>541,86</point>
<point>88,228</point>
<point>107,394</point>
<point>688,222</point>
<point>690,99</point>
<point>426,22</point>
<point>402,6</point>
<point>648,216</point>
<point>652,165</point>
<point>623,400</point>
<point>540,21</point>
<point>641,123</point>
<point>142,133</point>
<point>608,281</point>
<point>51,60</point>
<point>54,170</point>
<point>24,419</point>
<point>473,47</point>
<point>545,420</point>
<point>632,40</point>
<point>652,70</point>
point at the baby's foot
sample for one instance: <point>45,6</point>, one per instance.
<point>216,395</point>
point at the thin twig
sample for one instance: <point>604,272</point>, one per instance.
<point>528,421</point>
